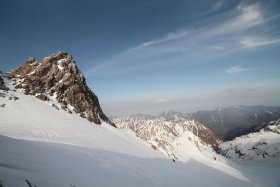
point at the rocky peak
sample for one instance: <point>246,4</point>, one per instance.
<point>59,77</point>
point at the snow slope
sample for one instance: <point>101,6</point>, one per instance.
<point>32,119</point>
<point>47,147</point>
<point>257,145</point>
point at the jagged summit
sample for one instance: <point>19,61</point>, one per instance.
<point>57,62</point>
<point>58,76</point>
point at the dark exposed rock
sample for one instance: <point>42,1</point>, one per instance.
<point>18,86</point>
<point>240,154</point>
<point>59,75</point>
<point>29,183</point>
<point>206,135</point>
<point>53,105</point>
<point>2,84</point>
<point>15,98</point>
<point>42,97</point>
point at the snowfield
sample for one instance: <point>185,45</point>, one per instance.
<point>43,146</point>
<point>257,145</point>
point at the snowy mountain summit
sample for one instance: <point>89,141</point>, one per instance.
<point>57,78</point>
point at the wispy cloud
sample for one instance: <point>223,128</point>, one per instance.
<point>243,18</point>
<point>246,17</point>
<point>168,37</point>
<point>218,5</point>
<point>220,35</point>
<point>236,69</point>
<point>251,42</point>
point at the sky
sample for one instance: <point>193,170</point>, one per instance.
<point>150,56</point>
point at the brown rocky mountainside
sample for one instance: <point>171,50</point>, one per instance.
<point>59,77</point>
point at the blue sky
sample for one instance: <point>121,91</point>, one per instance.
<point>150,56</point>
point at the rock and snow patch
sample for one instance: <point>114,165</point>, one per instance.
<point>259,145</point>
<point>60,62</point>
<point>174,134</point>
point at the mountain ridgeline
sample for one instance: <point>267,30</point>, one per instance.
<point>171,133</point>
<point>58,78</point>
<point>255,145</point>
<point>231,122</point>
<point>174,133</point>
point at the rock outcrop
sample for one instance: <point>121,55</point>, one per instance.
<point>2,83</point>
<point>59,77</point>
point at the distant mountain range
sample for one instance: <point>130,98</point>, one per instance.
<point>231,122</point>
<point>256,145</point>
<point>175,133</point>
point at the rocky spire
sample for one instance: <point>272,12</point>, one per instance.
<point>58,76</point>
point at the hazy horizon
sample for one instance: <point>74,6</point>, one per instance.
<point>160,112</point>
<point>151,56</point>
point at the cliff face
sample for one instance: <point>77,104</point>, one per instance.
<point>58,77</point>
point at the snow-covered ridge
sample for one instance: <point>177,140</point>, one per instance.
<point>26,117</point>
<point>174,134</point>
<point>257,145</point>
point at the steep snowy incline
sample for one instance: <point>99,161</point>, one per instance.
<point>59,165</point>
<point>258,145</point>
<point>25,117</point>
